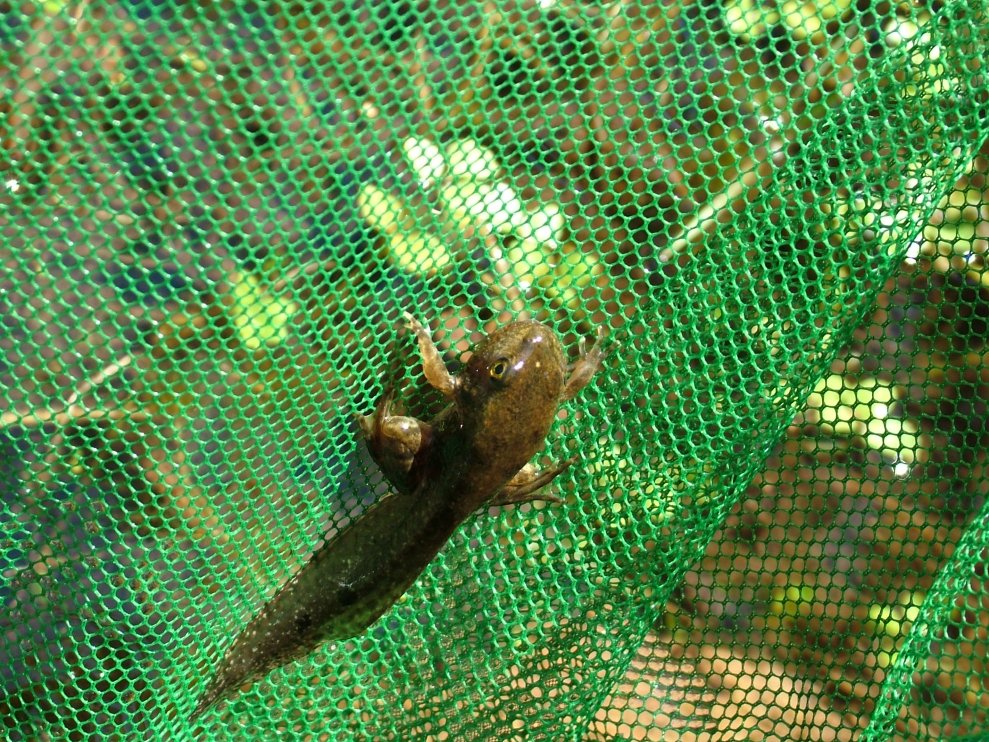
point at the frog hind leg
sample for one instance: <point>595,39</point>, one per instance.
<point>525,486</point>
<point>395,442</point>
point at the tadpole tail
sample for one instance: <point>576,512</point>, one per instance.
<point>242,664</point>
<point>346,586</point>
<point>292,624</point>
<point>217,688</point>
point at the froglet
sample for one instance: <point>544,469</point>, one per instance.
<point>473,454</point>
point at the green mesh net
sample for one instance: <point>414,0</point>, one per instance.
<point>212,217</point>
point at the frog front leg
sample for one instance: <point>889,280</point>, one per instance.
<point>394,442</point>
<point>586,366</point>
<point>525,486</point>
<point>433,367</point>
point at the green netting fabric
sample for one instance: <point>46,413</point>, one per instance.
<point>212,216</point>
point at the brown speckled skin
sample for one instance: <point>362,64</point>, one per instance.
<point>473,454</point>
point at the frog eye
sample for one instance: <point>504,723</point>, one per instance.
<point>498,369</point>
